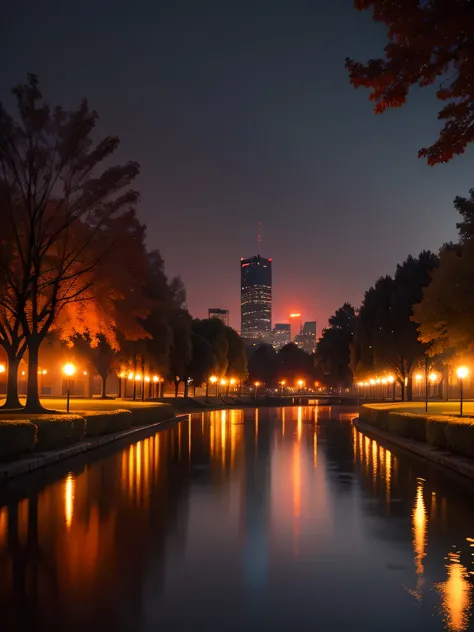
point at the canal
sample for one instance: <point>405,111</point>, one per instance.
<point>276,519</point>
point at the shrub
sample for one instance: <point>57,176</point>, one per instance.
<point>436,431</point>
<point>100,423</point>
<point>55,431</point>
<point>408,425</point>
<point>145,415</point>
<point>375,416</point>
<point>460,436</point>
<point>16,438</point>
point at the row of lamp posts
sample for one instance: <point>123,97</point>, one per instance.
<point>430,378</point>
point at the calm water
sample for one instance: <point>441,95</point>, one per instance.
<point>241,520</point>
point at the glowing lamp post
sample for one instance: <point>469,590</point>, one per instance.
<point>257,384</point>
<point>300,384</point>
<point>223,384</point>
<point>156,381</point>
<point>462,372</point>
<point>391,380</point>
<point>282,386</point>
<point>213,380</point>
<point>232,382</point>
<point>69,370</point>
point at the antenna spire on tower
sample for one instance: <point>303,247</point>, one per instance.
<point>259,235</point>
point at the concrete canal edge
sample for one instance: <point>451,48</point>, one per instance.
<point>454,462</point>
<point>51,457</point>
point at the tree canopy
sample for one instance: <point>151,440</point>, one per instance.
<point>386,337</point>
<point>333,350</point>
<point>64,213</point>
<point>426,41</point>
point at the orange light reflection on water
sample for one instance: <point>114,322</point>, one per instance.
<point>456,596</point>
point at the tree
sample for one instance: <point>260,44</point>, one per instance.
<point>334,347</point>
<point>102,357</point>
<point>294,363</point>
<point>202,362</point>
<point>236,355</point>
<point>215,332</point>
<point>426,41</point>
<point>181,348</point>
<point>263,365</point>
<point>63,216</point>
<point>386,335</point>
<point>465,207</point>
<point>12,337</point>
<point>446,311</point>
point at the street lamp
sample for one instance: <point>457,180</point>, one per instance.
<point>300,384</point>
<point>418,378</point>
<point>257,384</point>
<point>282,386</point>
<point>69,370</point>
<point>391,380</point>
<point>213,380</point>
<point>462,372</point>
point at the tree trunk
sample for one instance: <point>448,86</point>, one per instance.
<point>176,389</point>
<point>402,389</point>
<point>12,401</point>
<point>445,383</point>
<point>186,389</point>
<point>410,390</point>
<point>103,394</point>
<point>33,404</point>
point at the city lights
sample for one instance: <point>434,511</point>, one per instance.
<point>418,377</point>
<point>2,368</point>
<point>433,377</point>
<point>156,379</point>
<point>130,376</point>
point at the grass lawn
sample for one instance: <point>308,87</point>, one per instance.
<point>434,408</point>
<point>83,405</point>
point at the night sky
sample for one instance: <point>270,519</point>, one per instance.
<point>242,111</point>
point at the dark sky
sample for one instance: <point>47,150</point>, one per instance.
<point>242,111</point>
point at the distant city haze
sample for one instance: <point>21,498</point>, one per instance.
<point>240,112</point>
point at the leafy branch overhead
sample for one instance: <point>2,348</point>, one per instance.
<point>427,42</point>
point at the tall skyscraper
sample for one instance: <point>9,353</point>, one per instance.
<point>256,298</point>
<point>281,335</point>
<point>306,339</point>
<point>295,326</point>
<point>221,314</point>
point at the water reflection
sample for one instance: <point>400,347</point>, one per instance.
<point>419,521</point>
<point>456,595</point>
<point>456,590</point>
<point>263,513</point>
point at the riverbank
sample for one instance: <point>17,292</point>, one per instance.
<point>30,463</point>
<point>455,462</point>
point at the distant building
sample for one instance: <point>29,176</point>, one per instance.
<point>281,335</point>
<point>295,326</point>
<point>221,314</point>
<point>306,339</point>
<point>256,298</point>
